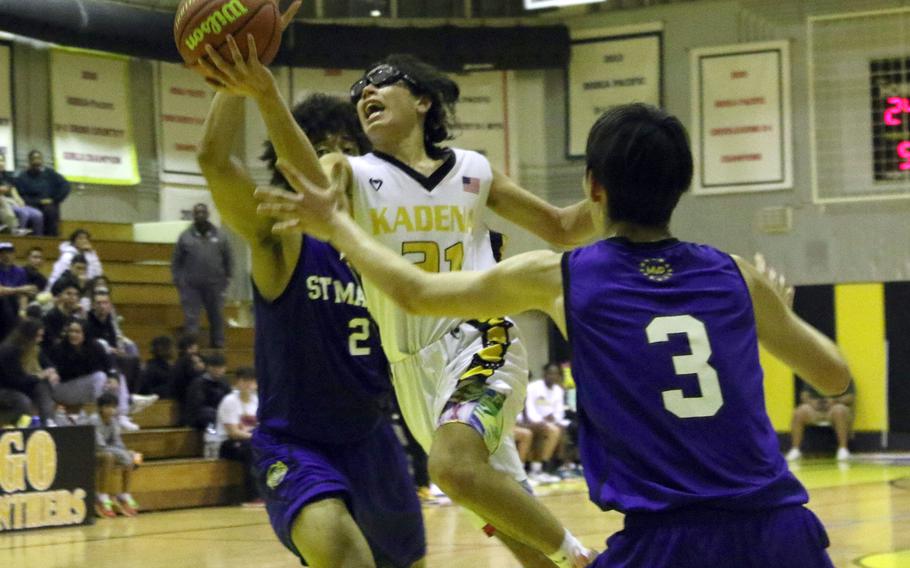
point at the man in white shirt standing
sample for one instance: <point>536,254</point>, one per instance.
<point>235,424</point>
<point>545,416</point>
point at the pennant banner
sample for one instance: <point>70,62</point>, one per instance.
<point>92,132</point>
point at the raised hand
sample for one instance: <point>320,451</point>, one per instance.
<point>777,279</point>
<point>241,77</point>
<point>312,210</point>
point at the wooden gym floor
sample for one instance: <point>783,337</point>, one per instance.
<point>865,507</point>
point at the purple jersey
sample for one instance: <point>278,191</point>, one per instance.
<point>319,363</point>
<point>670,397</point>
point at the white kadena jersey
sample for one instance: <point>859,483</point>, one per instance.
<point>435,222</point>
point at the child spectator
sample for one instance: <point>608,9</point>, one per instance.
<point>205,393</point>
<point>113,458</point>
<point>157,377</point>
<point>79,243</point>
<point>236,420</point>
<point>23,371</point>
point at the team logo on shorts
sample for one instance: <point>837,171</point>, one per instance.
<point>656,269</point>
<point>276,474</point>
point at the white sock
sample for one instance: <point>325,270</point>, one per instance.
<point>568,551</point>
<point>102,497</point>
<point>536,467</point>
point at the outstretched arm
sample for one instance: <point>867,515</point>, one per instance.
<point>799,345</point>
<point>528,281</point>
<point>230,183</point>
<point>564,227</point>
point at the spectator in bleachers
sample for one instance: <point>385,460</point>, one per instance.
<point>545,417</point>
<point>26,219</point>
<point>26,372</point>
<point>99,283</point>
<point>523,439</point>
<point>202,267</point>
<point>817,410</point>
<point>14,290</point>
<point>66,307</point>
<point>44,189</point>
<point>158,375</point>
<point>33,266</point>
<point>115,462</point>
<point>83,366</point>
<point>79,244</point>
<point>234,425</point>
<point>186,366</point>
<point>18,218</point>
<point>205,393</point>
<point>9,223</point>
<point>101,324</point>
<point>5,176</point>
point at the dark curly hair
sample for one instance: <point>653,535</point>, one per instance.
<point>320,116</point>
<point>443,93</point>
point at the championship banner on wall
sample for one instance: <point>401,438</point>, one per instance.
<point>92,132</point>
<point>47,477</point>
<point>183,103</point>
<point>481,116</point>
<point>610,67</point>
<point>741,138</point>
<point>6,107</point>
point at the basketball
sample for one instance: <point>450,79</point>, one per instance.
<point>208,22</point>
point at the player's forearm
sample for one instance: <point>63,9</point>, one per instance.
<point>290,142</point>
<point>575,224</point>
<point>560,226</point>
<point>221,126</point>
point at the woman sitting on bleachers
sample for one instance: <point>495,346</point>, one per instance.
<point>25,375</point>
<point>84,367</point>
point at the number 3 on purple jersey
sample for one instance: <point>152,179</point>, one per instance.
<point>695,363</point>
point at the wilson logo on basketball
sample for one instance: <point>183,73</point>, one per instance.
<point>228,14</point>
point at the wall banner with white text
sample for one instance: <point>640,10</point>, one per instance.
<point>183,103</point>
<point>482,116</point>
<point>6,107</point>
<point>92,131</point>
<point>741,123</point>
<point>610,67</point>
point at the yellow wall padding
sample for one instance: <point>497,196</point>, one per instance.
<point>859,312</point>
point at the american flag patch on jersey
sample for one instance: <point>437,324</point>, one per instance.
<point>470,184</point>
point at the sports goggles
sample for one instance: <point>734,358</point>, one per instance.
<point>380,76</point>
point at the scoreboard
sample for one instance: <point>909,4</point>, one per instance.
<point>890,103</point>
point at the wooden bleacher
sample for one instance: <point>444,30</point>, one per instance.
<point>174,475</point>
